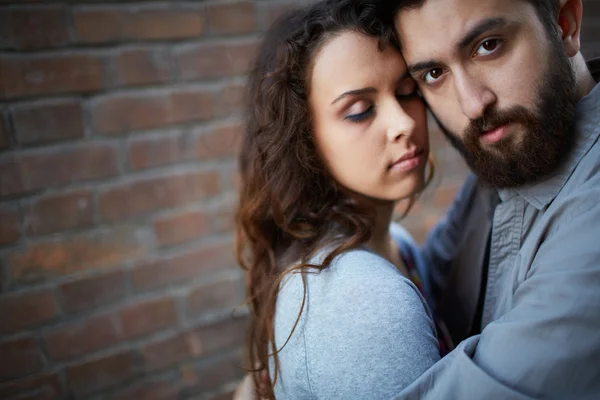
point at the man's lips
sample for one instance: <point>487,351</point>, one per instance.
<point>495,135</point>
<point>408,161</point>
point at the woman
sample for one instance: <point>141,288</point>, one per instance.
<point>335,137</point>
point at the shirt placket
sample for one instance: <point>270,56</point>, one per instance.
<point>506,227</point>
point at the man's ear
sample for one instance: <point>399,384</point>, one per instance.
<point>569,21</point>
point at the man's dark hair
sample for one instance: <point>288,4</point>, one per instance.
<point>547,10</point>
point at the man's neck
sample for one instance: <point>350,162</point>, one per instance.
<point>583,76</point>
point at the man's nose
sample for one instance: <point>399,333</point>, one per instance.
<point>473,95</point>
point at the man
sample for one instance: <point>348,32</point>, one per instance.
<point>515,266</point>
<point>516,263</point>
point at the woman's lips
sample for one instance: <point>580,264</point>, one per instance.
<point>408,161</point>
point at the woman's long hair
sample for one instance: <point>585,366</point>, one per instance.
<point>290,207</point>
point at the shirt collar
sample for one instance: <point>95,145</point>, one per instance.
<point>586,129</point>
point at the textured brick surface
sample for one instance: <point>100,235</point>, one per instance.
<point>120,122</point>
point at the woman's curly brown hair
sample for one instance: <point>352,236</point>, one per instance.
<point>290,207</point>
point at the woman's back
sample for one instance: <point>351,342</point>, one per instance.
<point>365,331</point>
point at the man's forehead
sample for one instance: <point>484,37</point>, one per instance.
<point>438,26</point>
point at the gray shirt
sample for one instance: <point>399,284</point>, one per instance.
<point>365,331</point>
<point>540,324</point>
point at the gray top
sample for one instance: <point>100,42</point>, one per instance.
<point>541,318</point>
<point>365,333</point>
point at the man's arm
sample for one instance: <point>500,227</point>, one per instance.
<point>548,344</point>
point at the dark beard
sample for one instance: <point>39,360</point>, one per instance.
<point>546,135</point>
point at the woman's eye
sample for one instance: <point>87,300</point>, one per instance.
<point>433,75</point>
<point>487,47</point>
<point>360,116</point>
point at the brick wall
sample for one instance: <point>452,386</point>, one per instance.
<point>119,123</point>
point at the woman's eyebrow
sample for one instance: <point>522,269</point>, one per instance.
<point>354,93</point>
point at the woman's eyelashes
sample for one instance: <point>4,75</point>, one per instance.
<point>361,116</point>
<point>363,109</point>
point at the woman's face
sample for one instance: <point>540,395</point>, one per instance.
<point>369,125</point>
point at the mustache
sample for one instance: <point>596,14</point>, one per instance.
<point>495,118</point>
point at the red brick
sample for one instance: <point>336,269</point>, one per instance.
<point>26,310</point>
<point>215,60</point>
<point>109,24</point>
<point>270,12</point>
<point>31,28</point>
<point>169,148</point>
<point>67,73</point>
<point>99,25</point>
<point>223,218</point>
<point>222,295</point>
<point>39,387</point>
<point>29,172</point>
<point>172,350</point>
<point>181,228</point>
<point>222,335</point>
<point>164,389</point>
<point>100,374</point>
<point>165,24</point>
<point>139,197</point>
<point>147,317</point>
<point>12,177</point>
<point>214,375</point>
<point>199,342</point>
<point>123,113</point>
<point>46,122</point>
<point>62,212</point>
<point>231,100</point>
<point>184,266</point>
<point>238,17</point>
<point>222,141</point>
<point>4,138</point>
<point>78,253</point>
<point>91,292</point>
<point>9,228</point>
<point>19,357</point>
<point>141,67</point>
<point>191,105</point>
<point>76,339</point>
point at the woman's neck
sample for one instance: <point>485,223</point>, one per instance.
<point>381,230</point>
<point>381,241</point>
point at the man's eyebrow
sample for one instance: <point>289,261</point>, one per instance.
<point>482,27</point>
<point>354,93</point>
<point>421,66</point>
<point>479,29</point>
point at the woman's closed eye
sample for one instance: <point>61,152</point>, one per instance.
<point>360,111</point>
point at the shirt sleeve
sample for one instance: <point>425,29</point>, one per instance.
<point>367,332</point>
<point>548,344</point>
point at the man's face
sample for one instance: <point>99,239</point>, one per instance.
<point>498,82</point>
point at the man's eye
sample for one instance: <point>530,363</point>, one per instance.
<point>433,75</point>
<point>487,47</point>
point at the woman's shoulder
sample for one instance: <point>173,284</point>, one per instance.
<point>360,312</point>
<point>357,267</point>
<point>358,279</point>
